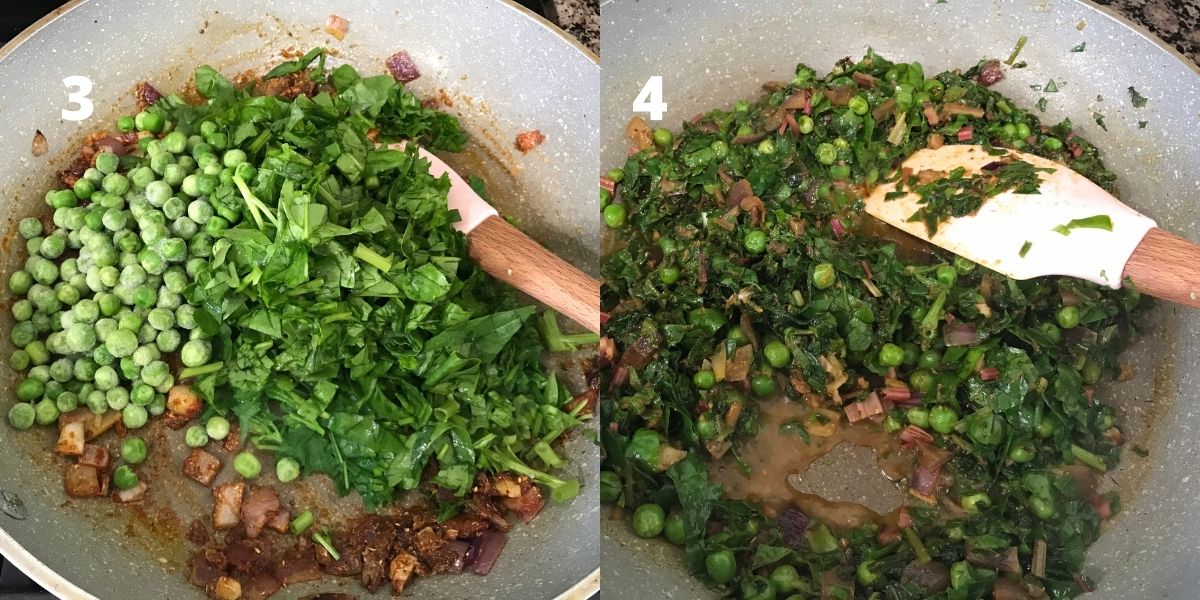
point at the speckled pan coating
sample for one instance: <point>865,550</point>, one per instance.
<point>714,52</point>
<point>505,70</point>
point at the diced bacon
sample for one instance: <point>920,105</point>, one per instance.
<point>402,67</point>
<point>280,521</point>
<point>528,140</point>
<point>201,466</point>
<point>607,183</point>
<point>227,504</point>
<point>95,456</point>
<point>70,439</point>
<point>82,481</point>
<point>134,494</point>
<point>258,510</point>
<point>931,113</point>
<point>336,26</point>
<point>965,133</point>
<point>400,570</point>
<point>989,373</point>
<point>864,409</point>
<point>913,435</point>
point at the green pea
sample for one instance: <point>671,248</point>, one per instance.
<point>614,215</point>
<point>1052,143</point>
<point>891,355</point>
<point>287,469</point>
<point>148,121</point>
<point>195,436</point>
<point>777,354</point>
<point>859,105</point>
<point>805,124</point>
<point>988,431</point>
<point>840,171</point>
<point>921,380</point>
<point>704,379</point>
<point>721,566</point>
<point>763,386</point>
<point>1010,131</point>
<point>45,412</point>
<point>662,137</point>
<point>30,389</point>
<point>706,429</point>
<point>737,336</point>
<point>134,416</point>
<point>1051,331</point>
<point>22,415</point>
<point>134,450</point>
<point>668,275</point>
<point>823,275</point>
<point>1068,317</point>
<point>217,427</point>
<point>648,520</point>
<point>605,197</point>
<point>247,465</point>
<point>930,359</point>
<point>675,530</point>
<point>1090,372</point>
<point>755,241</point>
<point>616,175</point>
<point>892,423</point>
<point>826,153</point>
<point>125,124</point>
<point>720,149</point>
<point>943,418</point>
<point>1023,131</point>
<point>124,478</point>
<point>1022,452</point>
<point>767,146</point>
<point>975,503</point>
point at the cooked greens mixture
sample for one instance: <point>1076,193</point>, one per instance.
<point>256,257</point>
<point>743,272</point>
<point>957,195</point>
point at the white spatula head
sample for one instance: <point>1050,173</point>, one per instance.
<point>1023,235</point>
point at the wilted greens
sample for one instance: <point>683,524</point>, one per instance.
<point>742,270</point>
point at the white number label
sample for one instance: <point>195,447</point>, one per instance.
<point>83,87</point>
<point>650,99</point>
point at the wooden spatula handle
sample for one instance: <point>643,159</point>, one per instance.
<point>1166,266</point>
<point>514,258</point>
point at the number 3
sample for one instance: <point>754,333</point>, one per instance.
<point>650,99</point>
<point>83,87</point>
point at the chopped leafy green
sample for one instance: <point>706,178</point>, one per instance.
<point>1050,87</point>
<point>1136,99</point>
<point>1025,248</point>
<point>1016,50</point>
<point>351,331</point>
<point>1093,222</point>
<point>957,195</point>
<point>1080,47</point>
<point>1099,118</point>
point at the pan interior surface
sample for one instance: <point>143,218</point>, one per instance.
<point>487,63</point>
<point>711,57</point>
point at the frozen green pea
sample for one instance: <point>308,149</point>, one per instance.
<point>173,249</point>
<point>30,388</point>
<point>106,379</point>
<point>185,316</point>
<point>22,310</point>
<point>96,402</point>
<point>195,436</point>
<point>110,276</point>
<point>146,333</point>
<point>84,369</point>
<point>67,402</point>
<point>247,465</point>
<point>144,297</point>
<point>107,162</point>
<point>62,370</point>
<point>81,337</point>
<point>45,412</point>
<point>142,394</point>
<point>86,311</point>
<point>166,384</point>
<point>22,415</point>
<point>161,319</point>
<point>152,261</point>
<point>109,303</point>
<point>134,416</point>
<point>184,228</point>
<point>115,183</point>
<point>53,246</point>
<point>53,389</point>
<point>18,360</point>
<point>169,340</point>
<point>103,357</point>
<point>195,353</point>
<point>23,333</point>
<point>157,193</point>
<point>133,275</point>
<point>129,321</point>
<point>168,299</point>
<point>68,268</point>
<point>117,398</point>
<point>217,427</point>
<point>66,293</point>
<point>174,173</point>
<point>37,352</point>
<point>199,211</point>
<point>156,372</point>
<point>34,246</point>
<point>145,355</point>
<point>30,227</point>
<point>133,449</point>
<point>129,369</point>
<point>287,469</point>
<point>40,373</point>
<point>158,406</point>
<point>174,208</point>
<point>19,282</point>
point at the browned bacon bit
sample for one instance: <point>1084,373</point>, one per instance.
<point>133,494</point>
<point>201,466</point>
<point>146,95</point>
<point>864,79</point>
<point>225,588</point>
<point>336,26</point>
<point>529,140</point>
<point>227,504</point>
<point>913,435</point>
<point>259,508</point>
<point>82,481</point>
<point>864,409</point>
<point>402,67</point>
<point>197,532</point>
<point>95,456</point>
<point>931,113</point>
<point>990,72</point>
<point>183,405</point>
<point>40,145</point>
<point>296,567</point>
<point>400,570</point>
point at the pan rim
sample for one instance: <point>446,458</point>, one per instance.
<point>56,583</point>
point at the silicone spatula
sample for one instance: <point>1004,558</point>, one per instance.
<point>507,254</point>
<point>1052,232</point>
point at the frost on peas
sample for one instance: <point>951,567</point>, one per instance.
<point>106,379</point>
<point>86,311</point>
<point>142,394</point>
<point>155,373</point>
<point>145,355</point>
<point>168,300</point>
<point>146,333</point>
<point>166,384</point>
<point>115,220</point>
<point>66,319</point>
<point>29,228</point>
<point>22,310</point>
<point>104,328</point>
<point>117,398</point>
<point>169,340</point>
<point>133,275</point>
<point>84,369</point>
<point>129,369</point>
<point>40,373</point>
<point>62,370</point>
<point>123,342</point>
<point>174,280</point>
<point>23,333</point>
<point>110,276</point>
<point>66,293</point>
<point>185,316</point>
<point>92,278</point>
<point>134,416</point>
<point>200,211</point>
<point>81,337</point>
<point>97,402</point>
<point>103,357</point>
<point>161,319</point>
<point>195,353</point>
<point>158,406</point>
<point>66,402</point>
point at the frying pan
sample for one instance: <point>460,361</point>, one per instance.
<point>502,69</point>
<point>714,52</point>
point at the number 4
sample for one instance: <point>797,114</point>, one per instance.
<point>650,99</point>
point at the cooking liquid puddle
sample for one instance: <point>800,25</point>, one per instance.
<point>846,480</point>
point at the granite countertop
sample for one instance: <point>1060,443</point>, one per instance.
<point>1177,22</point>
